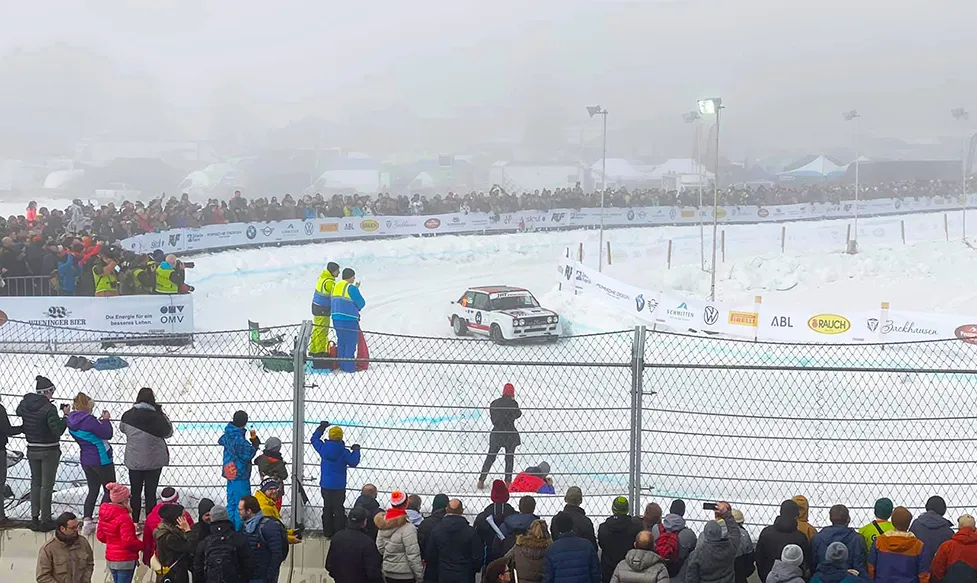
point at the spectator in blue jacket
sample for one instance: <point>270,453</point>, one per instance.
<point>238,453</point>
<point>839,532</point>
<point>332,478</point>
<point>68,273</point>
<point>266,537</point>
<point>932,528</point>
<point>571,558</point>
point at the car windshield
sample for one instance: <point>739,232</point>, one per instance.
<point>514,301</point>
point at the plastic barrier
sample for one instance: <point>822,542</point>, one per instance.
<point>299,231</point>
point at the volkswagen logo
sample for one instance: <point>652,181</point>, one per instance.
<point>710,315</point>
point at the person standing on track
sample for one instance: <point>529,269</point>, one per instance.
<point>345,307</point>
<point>321,310</point>
<point>503,411</point>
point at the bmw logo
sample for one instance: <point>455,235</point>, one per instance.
<point>630,215</point>
<point>251,233</point>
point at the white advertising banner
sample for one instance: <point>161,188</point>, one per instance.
<point>674,311</point>
<point>293,231</point>
<point>151,314</point>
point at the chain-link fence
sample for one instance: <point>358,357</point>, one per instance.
<point>652,416</point>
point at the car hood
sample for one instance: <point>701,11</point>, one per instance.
<point>528,312</point>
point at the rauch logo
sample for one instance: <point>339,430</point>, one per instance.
<point>369,225</point>
<point>432,223</point>
<point>967,333</point>
<point>829,324</point>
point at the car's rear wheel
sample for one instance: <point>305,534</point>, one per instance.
<point>495,334</point>
<point>459,326</point>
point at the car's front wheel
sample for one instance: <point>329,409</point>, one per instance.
<point>495,334</point>
<point>459,326</point>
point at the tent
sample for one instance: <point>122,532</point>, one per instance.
<point>619,170</point>
<point>817,167</point>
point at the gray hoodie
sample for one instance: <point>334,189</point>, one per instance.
<point>785,573</point>
<point>640,566</point>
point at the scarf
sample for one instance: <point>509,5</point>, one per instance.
<point>395,513</point>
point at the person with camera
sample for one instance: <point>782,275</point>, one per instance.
<point>170,276</point>
<point>332,477</point>
<point>106,273</point>
<point>138,279</point>
<point>43,428</point>
<point>714,558</point>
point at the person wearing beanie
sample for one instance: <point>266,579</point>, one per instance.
<point>570,557</point>
<point>835,568</point>
<point>353,556</point>
<point>174,544</point>
<point>616,536</point>
<point>839,532</point>
<point>714,559</point>
<point>201,529</point>
<point>117,532</point>
<point>880,525</point>
<point>533,480</point>
<point>92,436</point>
<point>146,428</point>
<point>345,306</point>
<point>897,555</point>
<point>168,497</point>
<point>424,531</point>
<point>518,524</point>
<point>397,542</point>
<point>491,520</point>
<point>582,525</point>
<point>684,540</point>
<point>503,412</point>
<point>210,560</point>
<point>238,453</point>
<point>961,548</point>
<point>334,461</point>
<point>43,428</point>
<point>455,550</point>
<point>774,538</point>
<point>802,524</point>
<point>932,528</point>
<point>787,569</point>
<point>271,463</point>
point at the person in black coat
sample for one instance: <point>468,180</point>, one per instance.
<point>454,552</point>
<point>570,558</point>
<point>616,537</point>
<point>490,521</point>
<point>353,556</point>
<point>201,529</point>
<point>504,411</point>
<point>367,500</point>
<point>225,555</point>
<point>775,537</point>
<point>582,526</point>
<point>6,431</point>
<point>430,522</point>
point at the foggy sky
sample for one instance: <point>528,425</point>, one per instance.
<point>192,68</point>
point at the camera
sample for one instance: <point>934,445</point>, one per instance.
<point>187,264</point>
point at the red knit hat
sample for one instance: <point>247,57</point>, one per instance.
<point>500,493</point>
<point>398,498</point>
<point>118,493</point>
<point>509,390</point>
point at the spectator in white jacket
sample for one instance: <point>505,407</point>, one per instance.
<point>397,542</point>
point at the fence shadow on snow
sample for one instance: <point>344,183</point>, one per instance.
<point>649,415</point>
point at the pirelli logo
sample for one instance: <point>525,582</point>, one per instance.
<point>744,318</point>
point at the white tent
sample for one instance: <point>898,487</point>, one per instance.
<point>619,169</point>
<point>820,167</point>
<point>681,166</point>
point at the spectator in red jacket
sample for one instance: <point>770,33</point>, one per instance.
<point>118,533</point>
<point>962,547</point>
<point>533,480</point>
<point>169,495</point>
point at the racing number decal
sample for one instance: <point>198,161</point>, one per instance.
<point>478,317</point>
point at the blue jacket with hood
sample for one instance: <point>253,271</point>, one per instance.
<point>238,452</point>
<point>857,555</point>
<point>933,530</point>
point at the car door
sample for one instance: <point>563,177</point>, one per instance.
<point>479,317</point>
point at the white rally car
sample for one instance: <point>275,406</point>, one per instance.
<point>503,313</point>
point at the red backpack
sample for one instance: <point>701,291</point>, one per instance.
<point>666,547</point>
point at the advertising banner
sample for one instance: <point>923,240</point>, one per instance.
<point>151,314</point>
<point>294,231</point>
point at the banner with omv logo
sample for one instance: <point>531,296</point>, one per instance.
<point>671,310</point>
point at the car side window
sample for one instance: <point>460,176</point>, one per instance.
<point>467,299</point>
<point>480,302</point>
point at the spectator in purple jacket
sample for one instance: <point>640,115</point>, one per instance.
<point>92,436</point>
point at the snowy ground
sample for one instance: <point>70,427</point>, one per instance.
<point>423,427</point>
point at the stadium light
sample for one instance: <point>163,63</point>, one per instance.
<point>710,106</point>
<point>853,116</point>
<point>598,110</point>
<point>960,114</point>
<point>692,117</point>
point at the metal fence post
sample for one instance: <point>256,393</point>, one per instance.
<point>298,421</point>
<point>637,390</point>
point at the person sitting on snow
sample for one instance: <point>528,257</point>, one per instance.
<point>534,479</point>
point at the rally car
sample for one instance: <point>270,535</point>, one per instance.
<point>503,313</point>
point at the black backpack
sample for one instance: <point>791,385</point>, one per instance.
<point>221,561</point>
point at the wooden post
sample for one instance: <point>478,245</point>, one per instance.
<point>669,253</point>
<point>580,253</point>
<point>946,226</point>
<point>757,302</point>
<point>783,237</point>
<point>902,227</point>
<point>723,239</point>
<point>608,252</point>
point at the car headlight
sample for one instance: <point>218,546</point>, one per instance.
<point>551,319</point>
<point>522,322</point>
<point>515,322</point>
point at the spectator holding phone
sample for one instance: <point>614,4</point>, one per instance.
<point>106,274</point>
<point>92,436</point>
<point>43,428</point>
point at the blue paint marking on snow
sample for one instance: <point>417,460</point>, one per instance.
<point>404,421</point>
